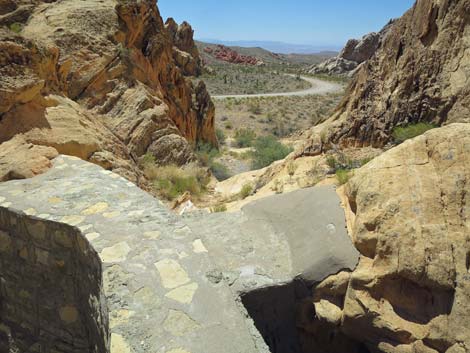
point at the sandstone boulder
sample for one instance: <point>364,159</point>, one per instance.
<point>411,289</point>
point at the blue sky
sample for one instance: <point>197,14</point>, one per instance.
<point>315,22</point>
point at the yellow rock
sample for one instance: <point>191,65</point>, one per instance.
<point>100,207</point>
<point>183,294</point>
<point>116,253</point>
<point>198,247</point>
<point>73,220</point>
<point>119,344</point>
<point>171,273</point>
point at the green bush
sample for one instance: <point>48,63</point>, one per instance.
<point>244,138</point>
<point>268,150</point>
<point>343,176</point>
<point>16,27</point>
<point>220,136</point>
<point>332,162</point>
<point>219,208</point>
<point>205,152</point>
<point>219,170</point>
<point>403,133</point>
<point>246,191</point>
<point>172,181</point>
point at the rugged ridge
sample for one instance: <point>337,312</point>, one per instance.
<point>421,72</point>
<point>100,80</point>
<point>354,53</point>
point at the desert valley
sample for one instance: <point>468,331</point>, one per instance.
<point>162,194</point>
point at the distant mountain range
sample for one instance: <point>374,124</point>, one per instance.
<point>276,47</point>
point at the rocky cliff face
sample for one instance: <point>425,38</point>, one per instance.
<point>421,72</point>
<point>353,54</point>
<point>100,80</point>
<point>408,217</point>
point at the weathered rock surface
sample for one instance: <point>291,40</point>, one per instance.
<point>100,80</point>
<point>352,55</point>
<point>421,72</point>
<point>185,50</point>
<point>410,222</point>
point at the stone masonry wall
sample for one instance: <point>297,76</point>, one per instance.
<point>51,298</point>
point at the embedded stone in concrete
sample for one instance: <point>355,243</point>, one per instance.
<point>183,294</point>
<point>73,220</point>
<point>99,207</point>
<point>115,253</point>
<point>198,246</point>
<point>152,235</point>
<point>179,324</point>
<point>171,273</point>
<point>119,344</point>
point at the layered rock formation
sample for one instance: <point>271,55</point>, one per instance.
<point>353,54</point>
<point>421,72</point>
<point>185,50</point>
<point>229,55</point>
<point>100,80</point>
<point>409,218</point>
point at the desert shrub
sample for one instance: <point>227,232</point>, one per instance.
<point>172,181</point>
<point>228,125</point>
<point>255,108</point>
<point>220,136</point>
<point>403,133</point>
<point>331,162</point>
<point>268,150</point>
<point>219,170</point>
<point>246,191</point>
<point>219,208</point>
<point>244,138</point>
<point>205,153</point>
<point>343,176</point>
<point>291,168</point>
<point>147,160</point>
<point>16,27</point>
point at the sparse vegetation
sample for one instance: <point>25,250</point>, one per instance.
<point>403,133</point>
<point>246,191</point>
<point>16,27</point>
<point>244,138</point>
<point>242,79</point>
<point>219,208</point>
<point>219,170</point>
<point>268,150</point>
<point>291,168</point>
<point>171,181</point>
<point>220,136</point>
<point>343,176</point>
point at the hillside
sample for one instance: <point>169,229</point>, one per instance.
<point>265,56</point>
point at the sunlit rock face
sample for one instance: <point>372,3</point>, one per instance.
<point>100,80</point>
<point>409,218</point>
<point>421,72</point>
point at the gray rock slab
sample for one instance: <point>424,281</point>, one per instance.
<point>273,240</point>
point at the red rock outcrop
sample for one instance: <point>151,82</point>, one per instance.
<point>100,80</point>
<point>229,55</point>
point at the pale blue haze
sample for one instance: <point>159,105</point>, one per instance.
<point>314,22</point>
